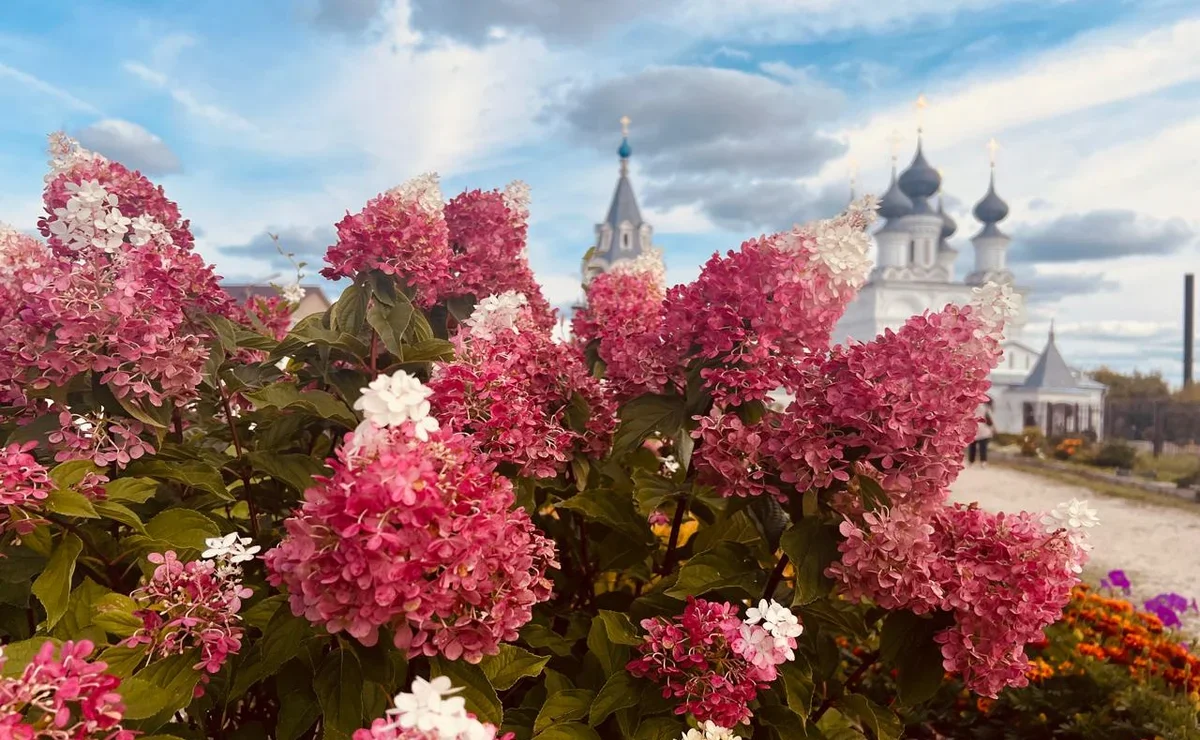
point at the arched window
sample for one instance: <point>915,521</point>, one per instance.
<point>625,240</point>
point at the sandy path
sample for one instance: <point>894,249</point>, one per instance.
<point>1157,546</point>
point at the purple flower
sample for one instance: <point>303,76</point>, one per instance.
<point>1118,579</point>
<point>1168,607</point>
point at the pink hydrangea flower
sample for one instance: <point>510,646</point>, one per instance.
<point>24,485</point>
<point>711,660</point>
<point>62,696</point>
<point>732,456</point>
<point>418,537</point>
<point>401,232</point>
<point>1003,577</point>
<point>191,605</point>
<point>488,230</point>
<point>522,398</point>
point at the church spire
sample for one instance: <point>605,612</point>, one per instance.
<point>623,235</point>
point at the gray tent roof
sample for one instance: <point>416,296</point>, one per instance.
<point>1051,370</point>
<point>624,209</point>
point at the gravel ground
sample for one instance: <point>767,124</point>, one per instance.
<point>1157,546</point>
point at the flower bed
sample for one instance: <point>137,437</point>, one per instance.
<point>419,516</point>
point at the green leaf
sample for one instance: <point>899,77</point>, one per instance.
<point>391,323</point>
<point>191,473</point>
<point>113,613</point>
<point>645,415</point>
<point>284,638</point>
<point>70,473</point>
<point>619,629</point>
<point>812,547</point>
<point>567,731</point>
<point>123,661</point>
<point>298,706</point>
<point>133,490</point>
<point>658,728</point>
<point>296,470</point>
<point>613,510</point>
<point>840,617</point>
<point>182,528</point>
<point>540,636</point>
<point>728,565</point>
<point>799,686</point>
<point>612,656</point>
<point>621,690</point>
<point>174,679</point>
<point>906,643</point>
<point>318,403</point>
<point>339,689</point>
<point>142,699</point>
<point>873,495</point>
<point>510,665</point>
<point>883,723</point>
<point>261,614</point>
<point>120,513</point>
<point>563,706</point>
<point>429,350</point>
<point>350,310</point>
<point>19,654</point>
<point>787,723</point>
<point>66,502</point>
<point>480,697</point>
<point>145,412</point>
<point>53,586</point>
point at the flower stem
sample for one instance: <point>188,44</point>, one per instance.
<point>673,541</point>
<point>237,447</point>
<point>776,577</point>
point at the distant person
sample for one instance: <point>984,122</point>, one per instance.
<point>984,431</point>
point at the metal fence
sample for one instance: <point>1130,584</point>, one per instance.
<point>1157,426</point>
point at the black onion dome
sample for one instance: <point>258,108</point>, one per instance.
<point>894,203</point>
<point>992,209</point>
<point>920,180</point>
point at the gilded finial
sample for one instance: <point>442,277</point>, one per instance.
<point>921,105</point>
<point>895,146</point>
<point>992,147</point>
<point>625,125</point>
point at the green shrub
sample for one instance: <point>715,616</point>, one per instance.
<point>1114,455</point>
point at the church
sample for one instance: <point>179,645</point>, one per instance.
<point>916,271</point>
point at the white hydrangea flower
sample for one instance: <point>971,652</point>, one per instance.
<point>391,400</point>
<point>1073,514</point>
<point>423,190</point>
<point>231,548</point>
<point>111,228</point>
<point>293,293</point>
<point>145,229</point>
<point>65,153</point>
<point>90,218</point>
<point>517,198</point>
<point>995,303</point>
<point>776,619</point>
<point>709,730</point>
<point>650,262</point>
<point>496,313</point>
<point>431,707</point>
<point>670,465</point>
<point>842,245</point>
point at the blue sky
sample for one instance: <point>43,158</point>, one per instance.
<point>281,116</point>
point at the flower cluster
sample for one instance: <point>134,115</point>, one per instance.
<point>194,605</point>
<point>522,397</point>
<point>904,403</point>
<point>416,536</point>
<point>63,696</point>
<point>111,295</point>
<point>487,238</point>
<point>24,485</point>
<point>973,564</point>
<point>396,399</point>
<point>713,661</point>
<point>1114,631</point>
<point>1171,608</point>
<point>621,321</point>
<point>430,711</point>
<point>401,232</point>
<point>731,456</point>
<point>709,731</point>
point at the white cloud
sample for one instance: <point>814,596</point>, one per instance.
<point>208,112</point>
<point>41,86</point>
<point>131,145</point>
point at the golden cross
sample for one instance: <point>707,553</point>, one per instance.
<point>992,147</point>
<point>921,105</point>
<point>625,125</point>
<point>895,142</point>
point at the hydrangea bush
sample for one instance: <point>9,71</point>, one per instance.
<point>417,515</point>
